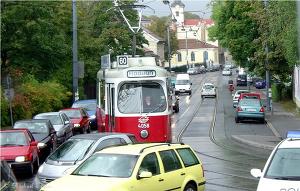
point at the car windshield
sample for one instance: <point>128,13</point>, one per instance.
<point>72,113</point>
<point>208,87</point>
<point>72,150</point>
<point>13,139</point>
<point>90,106</point>
<point>55,119</point>
<point>36,127</point>
<point>182,82</point>
<point>285,164</point>
<point>145,98</point>
<point>107,165</point>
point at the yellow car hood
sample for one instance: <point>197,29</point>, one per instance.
<point>80,183</point>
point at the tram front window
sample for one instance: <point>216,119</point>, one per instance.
<point>141,98</point>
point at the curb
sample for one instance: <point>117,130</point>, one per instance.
<point>252,143</point>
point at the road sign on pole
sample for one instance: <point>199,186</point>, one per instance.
<point>105,61</point>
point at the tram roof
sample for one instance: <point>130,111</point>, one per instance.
<point>135,64</point>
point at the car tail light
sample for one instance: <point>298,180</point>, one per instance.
<point>239,109</point>
<point>262,109</point>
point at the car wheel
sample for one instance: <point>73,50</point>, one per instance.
<point>88,129</point>
<point>177,109</point>
<point>190,187</point>
<point>237,120</point>
<point>202,97</point>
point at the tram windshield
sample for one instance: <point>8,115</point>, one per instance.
<point>141,98</point>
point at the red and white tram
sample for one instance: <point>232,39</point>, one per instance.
<point>137,98</point>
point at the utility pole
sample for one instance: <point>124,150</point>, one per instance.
<point>187,51</point>
<point>75,54</point>
<point>268,89</point>
<point>169,47</point>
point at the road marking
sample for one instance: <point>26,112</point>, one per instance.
<point>275,132</point>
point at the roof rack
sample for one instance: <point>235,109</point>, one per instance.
<point>162,144</point>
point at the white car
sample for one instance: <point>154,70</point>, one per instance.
<point>282,169</point>
<point>235,97</point>
<point>226,72</point>
<point>208,90</point>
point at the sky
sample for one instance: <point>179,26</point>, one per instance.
<point>199,6</point>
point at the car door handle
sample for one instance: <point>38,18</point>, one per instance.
<point>182,174</point>
<point>161,179</point>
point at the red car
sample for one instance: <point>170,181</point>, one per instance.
<point>19,149</point>
<point>79,118</point>
<point>249,96</point>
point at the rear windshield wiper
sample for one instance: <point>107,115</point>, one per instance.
<point>287,178</point>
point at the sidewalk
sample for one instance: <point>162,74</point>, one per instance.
<point>279,122</point>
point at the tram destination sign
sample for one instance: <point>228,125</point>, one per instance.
<point>141,73</point>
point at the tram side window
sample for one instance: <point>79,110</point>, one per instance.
<point>137,98</point>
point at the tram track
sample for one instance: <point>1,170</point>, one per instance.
<point>242,165</point>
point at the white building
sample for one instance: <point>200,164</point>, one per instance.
<point>192,35</point>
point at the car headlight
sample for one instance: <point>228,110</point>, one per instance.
<point>93,117</point>
<point>76,125</point>
<point>20,159</point>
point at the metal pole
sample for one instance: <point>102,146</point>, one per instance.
<point>134,45</point>
<point>268,89</point>
<point>75,54</point>
<point>8,79</point>
<point>169,48</point>
<point>187,51</point>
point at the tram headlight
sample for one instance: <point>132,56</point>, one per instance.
<point>144,134</point>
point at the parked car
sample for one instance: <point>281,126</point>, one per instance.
<point>281,171</point>
<point>226,72</point>
<point>208,90</point>
<point>61,124</point>
<point>202,69</point>
<point>250,109</point>
<point>192,71</point>
<point>260,84</point>
<point>235,98</point>
<point>79,118</point>
<point>241,80</point>
<point>91,106</point>
<point>146,167</point>
<point>8,179</point>
<point>75,150</point>
<point>19,150</point>
<point>43,132</point>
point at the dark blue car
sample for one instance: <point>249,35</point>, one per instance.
<point>90,105</point>
<point>260,84</point>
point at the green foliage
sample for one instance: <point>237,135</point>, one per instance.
<point>188,15</point>
<point>5,119</point>
<point>159,27</point>
<point>247,27</point>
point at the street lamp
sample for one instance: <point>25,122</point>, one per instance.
<point>268,89</point>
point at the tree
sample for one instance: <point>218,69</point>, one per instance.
<point>159,27</point>
<point>35,37</point>
<point>188,15</point>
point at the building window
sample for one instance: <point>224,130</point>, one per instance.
<point>192,56</point>
<point>177,13</point>
<point>179,57</point>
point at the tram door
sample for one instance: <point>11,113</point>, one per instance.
<point>110,100</point>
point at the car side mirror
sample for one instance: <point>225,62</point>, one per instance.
<point>41,145</point>
<point>144,174</point>
<point>255,172</point>
<point>34,143</point>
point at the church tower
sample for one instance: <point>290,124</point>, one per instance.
<point>177,10</point>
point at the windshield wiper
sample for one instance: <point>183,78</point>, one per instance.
<point>287,177</point>
<point>87,150</point>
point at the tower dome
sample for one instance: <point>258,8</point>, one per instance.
<point>178,11</point>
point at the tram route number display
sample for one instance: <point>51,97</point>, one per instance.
<point>141,73</point>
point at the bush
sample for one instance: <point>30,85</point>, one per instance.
<point>33,97</point>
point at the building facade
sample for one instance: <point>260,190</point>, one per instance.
<point>297,85</point>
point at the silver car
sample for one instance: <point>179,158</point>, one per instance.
<point>75,150</point>
<point>61,124</point>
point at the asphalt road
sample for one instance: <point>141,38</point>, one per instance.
<point>207,125</point>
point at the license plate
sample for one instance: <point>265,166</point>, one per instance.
<point>251,110</point>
